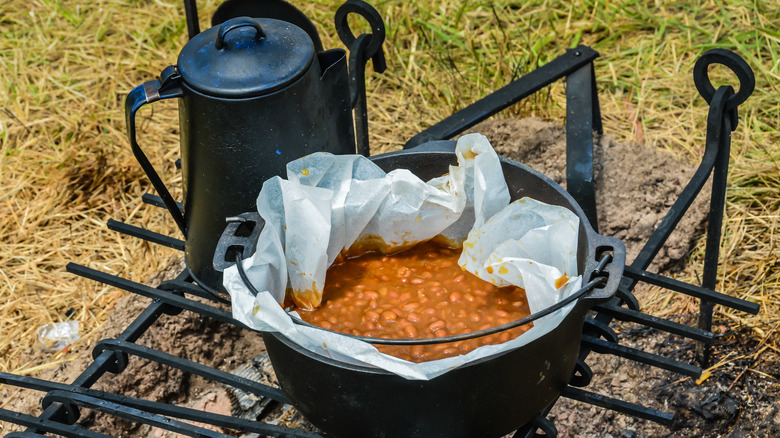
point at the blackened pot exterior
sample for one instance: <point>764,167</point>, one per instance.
<point>487,398</point>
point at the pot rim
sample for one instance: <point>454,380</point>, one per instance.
<point>583,303</point>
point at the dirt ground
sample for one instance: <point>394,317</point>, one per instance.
<point>636,186</point>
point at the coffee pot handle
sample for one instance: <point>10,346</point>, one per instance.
<point>165,88</point>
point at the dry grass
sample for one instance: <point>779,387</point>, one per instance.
<point>66,167</point>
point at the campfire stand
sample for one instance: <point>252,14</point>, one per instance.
<point>62,402</point>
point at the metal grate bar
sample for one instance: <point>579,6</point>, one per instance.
<point>540,422</point>
<point>618,405</point>
<point>624,314</point>
<point>161,408</point>
<point>191,12</point>
<point>25,435</point>
<point>504,97</point>
<point>151,236</point>
<point>48,426</point>
<point>70,400</point>
<point>190,367</point>
<point>692,290</point>
<point>107,361</point>
<point>581,116</point>
<point>179,286</point>
<point>600,329</point>
<point>606,347</point>
<point>174,300</point>
<point>156,201</point>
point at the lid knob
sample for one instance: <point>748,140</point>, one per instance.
<point>233,60</point>
<point>235,24</point>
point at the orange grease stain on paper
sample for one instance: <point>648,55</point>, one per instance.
<point>307,299</point>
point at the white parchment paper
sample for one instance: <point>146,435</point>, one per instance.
<point>330,202</point>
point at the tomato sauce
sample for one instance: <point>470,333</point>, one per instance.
<point>418,293</point>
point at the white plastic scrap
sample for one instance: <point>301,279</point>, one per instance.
<point>328,203</point>
<point>56,336</point>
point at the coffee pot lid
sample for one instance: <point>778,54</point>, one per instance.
<point>245,57</point>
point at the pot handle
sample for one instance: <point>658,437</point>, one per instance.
<point>613,270</point>
<point>165,88</point>
<point>240,236</point>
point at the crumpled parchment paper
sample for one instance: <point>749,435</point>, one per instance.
<point>334,203</point>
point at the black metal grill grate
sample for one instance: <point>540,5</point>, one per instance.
<point>61,402</point>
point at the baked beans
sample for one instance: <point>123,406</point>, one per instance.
<point>418,293</point>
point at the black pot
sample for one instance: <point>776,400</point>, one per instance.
<point>487,398</point>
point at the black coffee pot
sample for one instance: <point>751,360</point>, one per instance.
<point>253,95</point>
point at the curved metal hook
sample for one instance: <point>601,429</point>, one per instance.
<point>582,374</point>
<point>374,48</point>
<point>121,359</point>
<point>747,80</point>
<point>361,49</point>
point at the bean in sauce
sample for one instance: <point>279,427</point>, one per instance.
<point>418,293</point>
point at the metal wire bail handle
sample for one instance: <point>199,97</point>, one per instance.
<point>597,280</point>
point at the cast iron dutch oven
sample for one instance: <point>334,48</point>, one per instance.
<point>487,398</point>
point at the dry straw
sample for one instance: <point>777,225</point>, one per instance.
<point>66,167</point>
